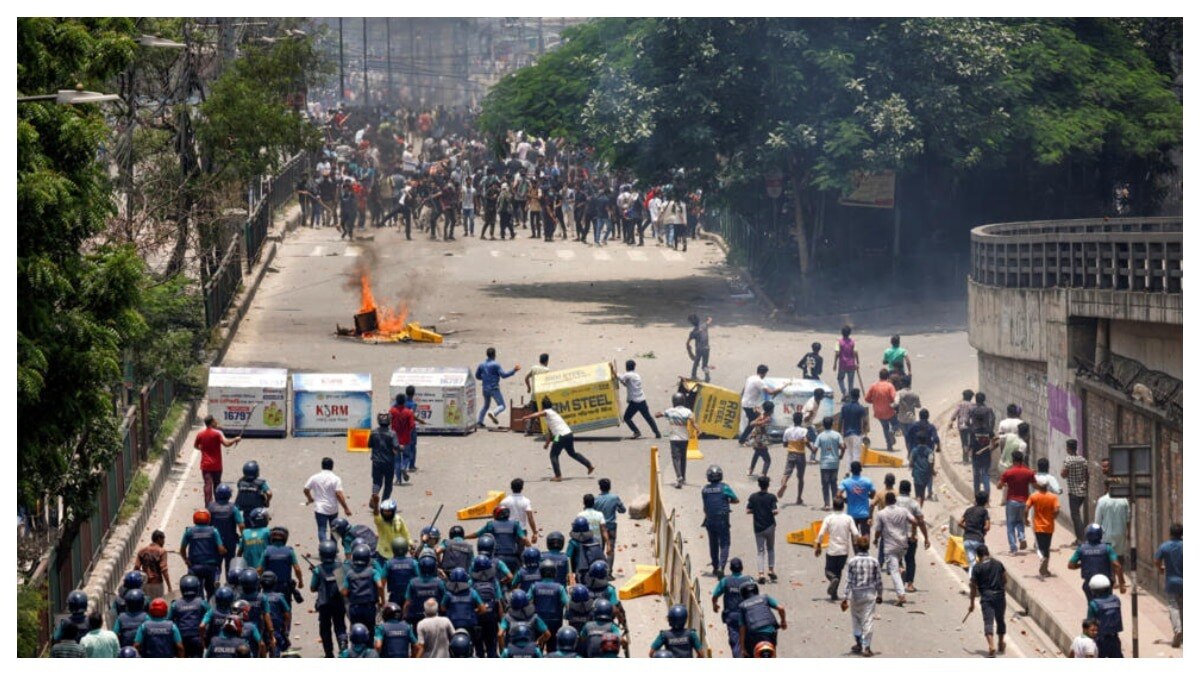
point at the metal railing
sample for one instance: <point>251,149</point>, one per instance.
<point>1122,254</point>
<point>680,585</point>
<point>223,284</point>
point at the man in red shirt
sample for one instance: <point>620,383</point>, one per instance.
<point>209,443</point>
<point>403,422</point>
<point>1016,480</point>
<point>881,395</point>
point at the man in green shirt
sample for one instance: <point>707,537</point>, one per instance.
<point>896,358</point>
<point>99,643</point>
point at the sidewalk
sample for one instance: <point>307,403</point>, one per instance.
<point>1056,603</point>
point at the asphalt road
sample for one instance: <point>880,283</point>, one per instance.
<point>582,305</point>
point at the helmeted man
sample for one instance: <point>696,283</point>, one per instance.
<point>717,498</point>
<point>485,579</point>
<point>584,548</point>
<point>549,600</point>
<point>554,553</point>
<point>398,571</point>
<point>188,613</point>
<point>158,637</point>
<point>394,637</point>
<point>363,588</point>
<point>221,609</point>
<point>460,645</point>
<point>327,579</point>
<point>252,490</point>
<point>758,624</point>
<point>360,644</point>
<point>77,605</point>
<point>255,538</point>
<point>566,640</point>
<point>250,629</point>
<point>278,608</point>
<point>133,579</point>
<point>128,622</point>
<point>227,519</point>
<point>729,589</point>
<point>202,550</point>
<point>521,644</point>
<point>521,611</point>
<point>347,533</point>
<point>257,612</point>
<point>1105,608</point>
<point>508,534</point>
<point>426,586</point>
<point>226,643</point>
<point>461,604</point>
<point>388,526</point>
<point>455,551</point>
<point>1096,557</point>
<point>281,559</point>
<point>681,641</point>
<point>529,573</point>
<point>579,606</point>
<point>596,644</point>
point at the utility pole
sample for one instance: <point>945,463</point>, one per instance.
<point>341,63</point>
<point>391,92</point>
<point>366,86</point>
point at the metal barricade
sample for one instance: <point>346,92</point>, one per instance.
<point>681,586</point>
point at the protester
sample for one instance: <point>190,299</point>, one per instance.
<point>1075,470</point>
<point>846,362</point>
<point>988,583</point>
<point>975,523</point>
<point>1017,482</point>
<point>209,442</point>
<point>1045,508</point>
<point>842,531</point>
<point>151,560</point>
<point>881,396</point>
<point>560,438</point>
<point>764,506</point>
<point>1169,560</point>
<point>324,491</point>
<point>864,585</point>
<point>960,420</point>
<point>635,400</point>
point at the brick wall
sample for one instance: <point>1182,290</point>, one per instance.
<point>1005,381</point>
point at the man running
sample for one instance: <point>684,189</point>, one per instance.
<point>842,531</point>
<point>753,395</point>
<point>881,395</point>
<point>864,585</point>
<point>697,345</point>
<point>1045,508</point>
<point>988,580</point>
<point>635,400</point>
<point>489,373</point>
<point>560,438</point>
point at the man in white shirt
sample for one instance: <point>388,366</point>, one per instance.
<point>841,530</point>
<point>520,509</point>
<point>635,400</point>
<point>795,439</point>
<point>324,491</point>
<point>1084,646</point>
<point>434,632</point>
<point>594,517</point>
<point>682,425</point>
<point>752,397</point>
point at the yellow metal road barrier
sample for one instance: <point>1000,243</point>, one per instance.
<point>955,553</point>
<point>648,580</point>
<point>808,536</point>
<point>693,447</point>
<point>875,458</point>
<point>356,440</point>
<point>484,508</point>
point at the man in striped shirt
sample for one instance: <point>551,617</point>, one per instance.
<point>863,584</point>
<point>1075,470</point>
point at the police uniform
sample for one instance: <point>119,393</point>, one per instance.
<point>331,607</point>
<point>397,573</point>
<point>550,600</point>
<point>278,607</point>
<point>225,518</point>
<point>127,625</point>
<point>421,589</point>
<point>157,639</point>
<point>362,597</point>
<point>225,646</point>
<point>188,614</point>
<point>758,619</point>
<point>456,552</point>
<point>717,497</point>
<point>682,643</point>
<point>562,564</point>
<point>582,550</point>
<point>1107,611</point>
<point>731,588</point>
<point>395,638</point>
<point>592,636</point>
<point>508,535</point>
<point>251,494</point>
<point>487,586</point>
<point>202,545</point>
<point>529,650</point>
<point>1094,559</point>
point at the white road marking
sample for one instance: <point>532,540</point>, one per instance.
<point>672,256</point>
<point>317,252</point>
<point>637,256</point>
<point>952,572</point>
<point>352,252</point>
<point>565,254</point>
<point>601,255</point>
<point>162,525</point>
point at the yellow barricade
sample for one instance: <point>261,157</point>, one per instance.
<point>647,581</point>
<point>874,458</point>
<point>693,447</point>
<point>808,536</point>
<point>955,553</point>
<point>356,440</point>
<point>484,508</point>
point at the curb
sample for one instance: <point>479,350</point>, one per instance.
<point>1060,634</point>
<point>759,293</point>
<point>114,560</point>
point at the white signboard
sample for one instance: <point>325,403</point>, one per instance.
<point>445,398</point>
<point>329,404</point>
<point>250,400</point>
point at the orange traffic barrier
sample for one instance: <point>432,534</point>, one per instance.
<point>356,440</point>
<point>955,553</point>
<point>647,581</point>
<point>808,536</point>
<point>484,508</point>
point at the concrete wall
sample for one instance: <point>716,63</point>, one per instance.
<point>1157,346</point>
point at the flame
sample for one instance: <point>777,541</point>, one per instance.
<point>391,320</point>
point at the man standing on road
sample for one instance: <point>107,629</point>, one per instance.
<point>854,419</point>
<point>975,524</point>
<point>1112,515</point>
<point>717,496</point>
<point>764,506</point>
<point>982,423</point>
<point>152,560</point>
<point>1017,480</point>
<point>682,424</point>
<point>961,421</point>
<point>434,632</point>
<point>842,532</point>
<point>560,438</point>
<point>635,400</point>
<point>907,404</point>
<point>697,345</point>
<point>811,365</point>
<point>830,451</point>
<point>881,396</point>
<point>489,373</point>
<point>858,490</point>
<point>1169,558</point>
<point>906,502</point>
<point>520,508</point>
<point>988,581</point>
<point>864,585</point>
<point>892,526</point>
<point>209,442</point>
<point>846,363</point>
<point>403,423</point>
<point>1045,510</point>
<point>610,505</point>
<point>384,450</point>
<point>324,491</point>
<point>1075,470</point>
<point>795,440</point>
<point>752,398</point>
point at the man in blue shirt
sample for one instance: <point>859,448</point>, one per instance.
<point>854,415</point>
<point>489,373</point>
<point>858,490</point>
<point>830,449</point>
<point>610,505</point>
<point>1169,557</point>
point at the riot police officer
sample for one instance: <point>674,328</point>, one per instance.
<point>202,550</point>
<point>1105,608</point>
<point>485,578</point>
<point>360,643</point>
<point>549,600</point>
<point>521,644</point>
<point>250,630</point>
<point>227,519</point>
<point>128,622</point>
<point>521,612</point>
<point>363,590</point>
<point>188,613</point>
<point>133,579</point>
<point>158,637</point>
<point>680,640</point>
<point>278,608</point>
<point>758,624</point>
<point>455,551</point>
<point>487,546</point>
<point>579,607</point>
<point>729,589</point>
<point>77,605</point>
<point>257,613</point>
<point>594,632</point>
<point>252,490</point>
<point>281,559</point>
<point>331,606</point>
<point>531,558</point>
<point>717,497</point>
<point>426,586</point>
<point>221,609</point>
<point>394,637</point>
<point>226,643</point>
<point>1096,557</point>
<point>565,642</point>
<point>398,571</point>
<point>462,605</point>
<point>555,541</point>
<point>255,538</point>
<point>460,645</point>
<point>509,536</point>
<point>583,549</point>
<point>348,533</point>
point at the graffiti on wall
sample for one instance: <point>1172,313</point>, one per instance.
<point>1064,414</point>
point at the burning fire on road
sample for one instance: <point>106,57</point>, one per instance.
<point>376,324</point>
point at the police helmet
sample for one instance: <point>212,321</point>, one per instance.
<point>500,512</point>
<point>458,580</point>
<point>158,608</point>
<point>764,650</point>
<point>678,399</point>
<point>663,653</point>
<point>598,570</point>
<point>384,419</point>
<point>427,565</point>
<point>482,563</point>
<point>268,580</point>
<point>249,580</point>
<point>223,493</point>
<point>388,506</point>
<point>77,602</point>
<point>361,553</point>
<point>359,634</point>
<point>602,610</point>
<point>519,599</point>
<point>233,625</point>
<point>714,474</point>
<point>749,589</point>
<point>135,600</point>
<point>250,469</point>
<point>190,585</point>
<point>531,556</point>
<point>391,611</point>
<point>1094,533</point>
<point>520,633</point>
<point>486,545</point>
<point>340,525</point>
<point>735,565</point>
<point>555,541</point>
<point>279,532</point>
<point>358,541</point>
<point>258,517</point>
<point>580,594</point>
<point>327,550</point>
<point>567,638</point>
<point>133,579</point>
<point>400,546</point>
<point>580,525</point>
<point>547,569</point>
<point>128,653</point>
<point>433,534</point>
<point>610,643</point>
<point>242,609</point>
<point>1098,582</point>
<point>460,645</point>
<point>201,517</point>
<point>223,598</point>
<point>457,532</point>
<point>677,616</point>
